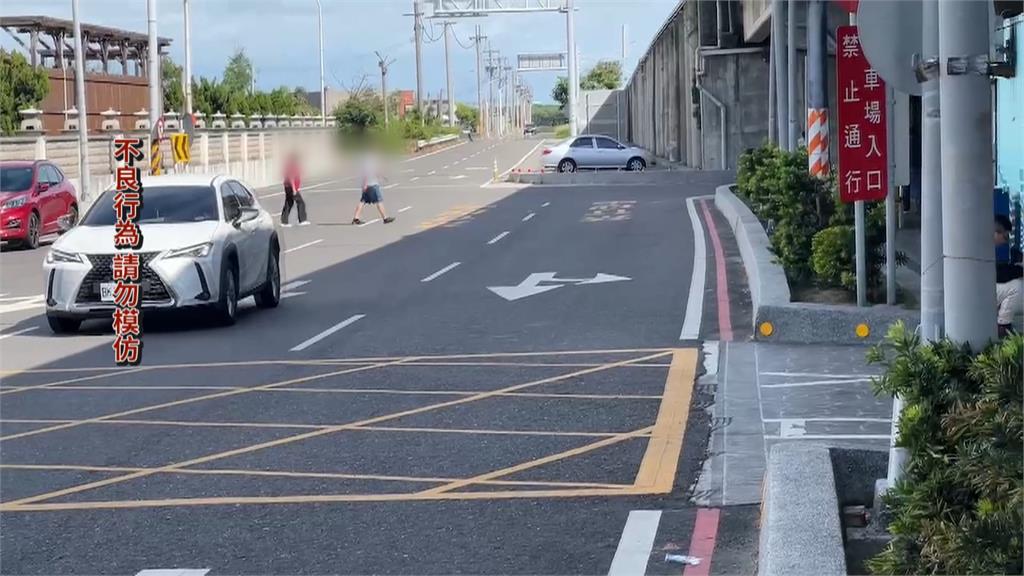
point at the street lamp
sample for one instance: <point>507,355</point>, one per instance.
<point>323,91</point>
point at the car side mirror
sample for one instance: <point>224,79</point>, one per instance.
<point>621,147</point>
<point>64,223</point>
<point>246,214</point>
<point>42,187</point>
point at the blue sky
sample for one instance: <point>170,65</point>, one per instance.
<point>280,37</point>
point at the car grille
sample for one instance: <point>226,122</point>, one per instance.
<point>153,288</point>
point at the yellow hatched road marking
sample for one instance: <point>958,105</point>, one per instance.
<point>658,467</point>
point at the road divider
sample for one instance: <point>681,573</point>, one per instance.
<point>447,268</point>
<point>340,325</point>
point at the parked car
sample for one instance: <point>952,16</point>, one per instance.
<point>529,130</point>
<point>590,151</point>
<point>207,242</point>
<point>34,195</point>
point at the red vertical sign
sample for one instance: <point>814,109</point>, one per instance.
<point>863,153</point>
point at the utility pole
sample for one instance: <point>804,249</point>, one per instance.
<point>156,109</point>
<point>490,90</point>
<point>817,90</point>
<point>479,88</point>
<point>188,58</point>
<point>418,33</point>
<point>80,103</point>
<point>384,63</point>
<point>323,89</point>
<point>932,322</point>
<point>967,203</point>
<point>570,53</point>
<point>781,72</point>
<point>448,72</point>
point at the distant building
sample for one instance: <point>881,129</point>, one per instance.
<point>335,98</point>
<point>406,101</point>
<point>118,59</point>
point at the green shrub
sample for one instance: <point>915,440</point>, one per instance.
<point>833,256</point>
<point>562,131</point>
<point>959,508</point>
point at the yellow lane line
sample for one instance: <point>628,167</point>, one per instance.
<point>316,433</point>
<point>377,391</point>
<point>657,472</point>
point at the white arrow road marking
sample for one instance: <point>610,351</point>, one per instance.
<point>532,284</point>
<point>19,303</point>
<point>16,332</point>
<point>350,320</point>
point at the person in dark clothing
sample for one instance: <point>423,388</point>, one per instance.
<point>292,192</point>
<point>1009,274</point>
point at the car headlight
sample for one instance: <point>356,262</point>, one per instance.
<point>197,251</point>
<point>15,202</point>
<point>55,255</point>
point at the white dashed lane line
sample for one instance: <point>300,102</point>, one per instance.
<point>447,268</point>
<point>404,209</point>
<point>306,245</point>
<point>529,216</point>
<point>347,322</point>
<point>497,238</point>
<point>545,205</point>
<point>368,223</point>
<point>17,332</point>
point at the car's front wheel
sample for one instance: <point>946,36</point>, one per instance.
<point>567,165</point>
<point>31,241</point>
<point>61,325</point>
<point>636,164</point>
<point>227,307</point>
<point>270,295</point>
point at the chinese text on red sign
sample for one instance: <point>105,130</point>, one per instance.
<point>863,165</point>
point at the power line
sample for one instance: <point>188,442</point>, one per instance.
<point>456,36</point>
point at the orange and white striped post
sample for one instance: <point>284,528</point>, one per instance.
<point>817,142</point>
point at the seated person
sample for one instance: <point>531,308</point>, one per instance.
<point>1009,272</point>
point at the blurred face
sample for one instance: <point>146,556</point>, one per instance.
<point>1002,235</point>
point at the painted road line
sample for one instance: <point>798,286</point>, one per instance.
<point>498,237</point>
<point>404,209</point>
<point>459,177</point>
<point>817,383</point>
<point>293,285</point>
<point>16,332</point>
<point>695,301</point>
<point>661,458</point>
<point>702,541</point>
<point>347,322</point>
<point>446,166</point>
<point>306,245</point>
<point>545,205</point>
<point>477,168</point>
<point>432,172</point>
<point>721,280</point>
<point>816,374</point>
<point>447,268</point>
<point>414,178</point>
<point>438,151</point>
<point>635,545</point>
<point>19,303</point>
<point>374,221</point>
<point>521,160</point>
<point>407,170</point>
<point>173,572</point>
<point>885,437</point>
<point>832,419</point>
<point>529,216</point>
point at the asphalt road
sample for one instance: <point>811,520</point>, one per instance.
<point>494,384</point>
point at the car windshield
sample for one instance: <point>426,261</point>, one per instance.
<point>15,179</point>
<point>160,205</point>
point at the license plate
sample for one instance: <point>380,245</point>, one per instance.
<point>107,291</point>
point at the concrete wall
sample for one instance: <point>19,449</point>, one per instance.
<point>602,112</point>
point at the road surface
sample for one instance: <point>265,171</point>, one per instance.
<point>502,381</point>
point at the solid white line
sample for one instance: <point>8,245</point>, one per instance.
<point>498,237</point>
<point>521,160</point>
<point>348,321</point>
<point>695,301</point>
<point>816,374</point>
<point>816,383</point>
<point>438,151</point>
<point>477,168</point>
<point>16,332</point>
<point>173,572</point>
<point>374,221</point>
<point>529,216</point>
<point>414,178</point>
<point>306,245</point>
<point>441,271</point>
<point>293,285</point>
<point>837,419</point>
<point>545,205</point>
<point>635,545</point>
<point>833,437</point>
<point>404,209</point>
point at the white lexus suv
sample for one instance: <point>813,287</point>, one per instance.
<point>206,242</point>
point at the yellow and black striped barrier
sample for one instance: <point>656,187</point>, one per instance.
<point>155,159</point>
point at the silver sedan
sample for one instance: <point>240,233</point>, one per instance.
<point>590,151</point>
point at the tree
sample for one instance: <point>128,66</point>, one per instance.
<point>360,113</point>
<point>238,73</point>
<point>548,115</point>
<point>170,82</point>
<point>467,115</point>
<point>560,93</point>
<point>21,86</point>
<point>606,74</point>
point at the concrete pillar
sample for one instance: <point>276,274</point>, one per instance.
<point>40,147</point>
<point>263,157</point>
<point>245,155</point>
<point>204,151</point>
<point>225,150</point>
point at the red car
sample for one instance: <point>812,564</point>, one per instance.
<point>33,197</point>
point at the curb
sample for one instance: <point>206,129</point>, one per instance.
<point>801,532</point>
<point>778,319</point>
